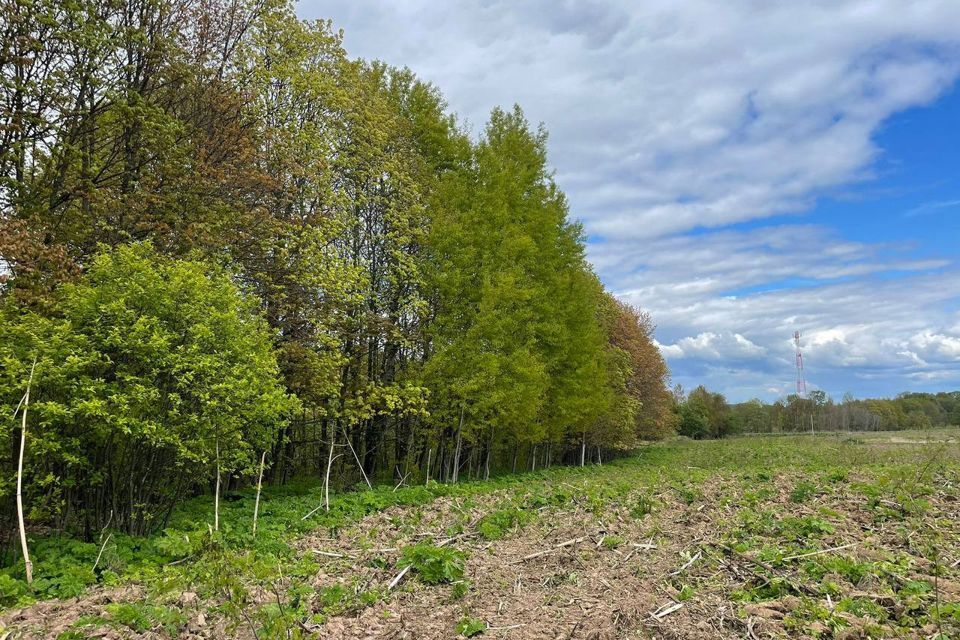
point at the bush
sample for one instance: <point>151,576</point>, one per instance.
<point>434,565</point>
<point>147,368</point>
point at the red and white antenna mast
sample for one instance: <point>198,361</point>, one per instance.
<point>801,382</point>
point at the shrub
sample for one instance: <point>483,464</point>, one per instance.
<point>470,627</point>
<point>434,565</point>
<point>148,368</point>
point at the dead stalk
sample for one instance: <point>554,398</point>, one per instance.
<point>357,458</point>
<point>216,491</point>
<point>23,443</point>
<point>256,504</point>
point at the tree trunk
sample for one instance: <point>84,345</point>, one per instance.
<point>326,480</point>
<point>356,457</point>
<point>429,455</point>
<point>28,566</point>
<point>216,492</point>
<point>456,457</point>
<point>256,504</point>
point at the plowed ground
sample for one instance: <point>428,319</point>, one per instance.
<point>753,538</point>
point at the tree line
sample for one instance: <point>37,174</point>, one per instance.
<point>706,414</point>
<point>222,240</point>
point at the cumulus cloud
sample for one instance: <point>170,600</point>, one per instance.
<point>713,346</point>
<point>666,115</point>
<point>673,123</point>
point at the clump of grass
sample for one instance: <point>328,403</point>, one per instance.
<point>803,491</point>
<point>497,524</point>
<point>611,542</point>
<point>643,506</point>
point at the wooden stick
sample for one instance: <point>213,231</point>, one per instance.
<point>332,554</point>
<point>356,457</point>
<point>688,563</point>
<point>553,549</point>
<point>399,577</point>
<point>665,610</point>
<point>23,443</point>
<point>102,547</point>
<point>256,504</point>
<point>402,480</point>
<point>326,479</point>
<point>822,551</point>
<point>216,492</point>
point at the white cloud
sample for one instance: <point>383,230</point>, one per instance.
<point>671,115</point>
<point>668,117</point>
<point>713,346</point>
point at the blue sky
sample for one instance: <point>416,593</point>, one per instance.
<point>742,169</point>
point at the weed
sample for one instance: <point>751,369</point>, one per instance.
<point>803,491</point>
<point>495,525</point>
<point>142,617</point>
<point>612,542</point>
<point>432,564</point>
<point>470,627</point>
<point>642,507</point>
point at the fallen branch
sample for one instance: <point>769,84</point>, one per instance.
<point>356,457</point>
<point>797,586</point>
<point>689,562</point>
<point>822,551</point>
<point>402,480</point>
<point>553,549</point>
<point>102,547</point>
<point>667,609</point>
<point>398,578</point>
<point>333,554</point>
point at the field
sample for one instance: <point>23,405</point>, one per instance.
<point>840,536</point>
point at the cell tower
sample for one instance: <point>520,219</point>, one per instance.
<point>801,383</point>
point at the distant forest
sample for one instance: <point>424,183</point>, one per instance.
<point>704,414</point>
<point>226,246</point>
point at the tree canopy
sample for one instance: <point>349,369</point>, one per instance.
<point>220,236</point>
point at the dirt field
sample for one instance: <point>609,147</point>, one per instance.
<point>833,537</point>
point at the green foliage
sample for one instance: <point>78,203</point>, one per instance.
<point>469,627</point>
<point>495,525</point>
<point>803,491</point>
<point>150,365</point>
<point>145,617</point>
<point>611,542</point>
<point>642,506</point>
<point>432,564</point>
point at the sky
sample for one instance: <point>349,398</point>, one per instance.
<point>743,169</point>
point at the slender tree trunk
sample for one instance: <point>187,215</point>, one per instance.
<point>513,468</point>
<point>256,504</point>
<point>357,458</point>
<point>326,479</point>
<point>533,459</point>
<point>429,455</point>
<point>456,457</point>
<point>28,566</point>
<point>216,492</point>
<point>583,449</point>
